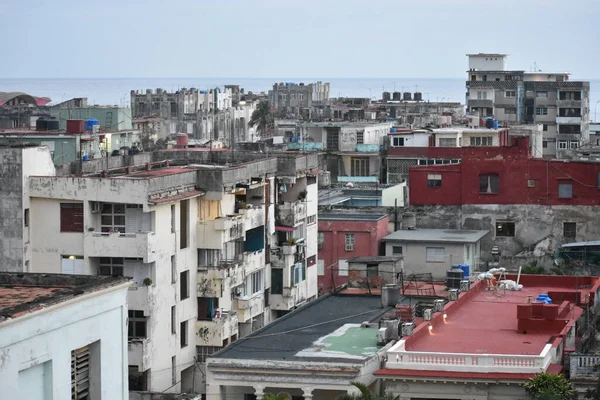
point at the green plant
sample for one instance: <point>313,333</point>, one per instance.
<point>262,118</point>
<point>365,394</point>
<point>278,396</point>
<point>147,281</point>
<point>302,195</point>
<point>549,387</point>
<point>291,241</point>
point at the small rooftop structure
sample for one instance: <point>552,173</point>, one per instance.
<point>327,216</point>
<point>437,235</point>
<point>24,293</point>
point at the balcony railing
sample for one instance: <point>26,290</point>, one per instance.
<point>140,298</point>
<point>213,332</point>
<point>118,244</point>
<point>465,362</point>
<point>253,217</point>
<point>139,352</point>
<point>292,213</point>
<point>568,120</point>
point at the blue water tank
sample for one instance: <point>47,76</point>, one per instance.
<point>495,124</point>
<point>203,92</point>
<point>466,269</point>
<point>489,123</point>
<point>543,298</point>
<point>89,124</point>
<point>393,130</point>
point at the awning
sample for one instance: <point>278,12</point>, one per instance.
<point>182,196</point>
<point>285,228</point>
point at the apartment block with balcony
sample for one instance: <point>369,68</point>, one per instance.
<point>293,246</point>
<point>136,222</point>
<point>550,99</point>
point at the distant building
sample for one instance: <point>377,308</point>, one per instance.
<point>63,336</point>
<point>111,118</point>
<point>343,236</point>
<point>298,99</point>
<point>561,106</point>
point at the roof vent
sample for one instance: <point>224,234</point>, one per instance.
<point>438,305</point>
<point>427,314</point>
<point>408,328</point>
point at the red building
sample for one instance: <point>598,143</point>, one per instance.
<point>343,236</point>
<point>506,175</point>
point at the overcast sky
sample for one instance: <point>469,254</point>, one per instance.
<point>307,38</point>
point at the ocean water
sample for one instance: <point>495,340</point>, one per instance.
<point>117,91</point>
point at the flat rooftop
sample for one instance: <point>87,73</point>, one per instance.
<point>327,329</point>
<point>350,217</point>
<point>374,259</point>
<point>23,293</point>
<point>436,235</point>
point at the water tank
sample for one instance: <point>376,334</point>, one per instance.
<point>453,277</point>
<point>41,124</point>
<point>397,96</point>
<point>489,123</point>
<point>495,124</point>
<point>390,294</point>
<point>418,96</point>
<point>182,140</point>
<point>407,96</point>
<point>409,221</point>
<point>89,124</point>
<point>391,324</point>
<point>393,130</point>
<point>386,96</point>
<point>466,269</point>
<point>52,124</point>
<point>75,126</point>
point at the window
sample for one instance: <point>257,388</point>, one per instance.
<point>173,320</point>
<point>569,129</point>
<point>561,144</point>
<point>172,218</point>
<point>174,370</point>
<point>435,254</point>
<point>110,266</point>
<point>481,95</point>
<point>359,166</point>
<point>397,141</point>
<point>173,270</point>
<point>349,241</point>
<point>136,325</point>
<point>541,111</point>
<point>184,285</point>
<point>447,142</point>
<point>360,137</point>
<point>73,265</point>
<point>510,93</point>
<point>545,127</point>
<point>569,112</point>
<point>372,270</point>
<point>298,273</point>
<point>396,249</point>
<point>71,217</point>
<point>183,334</point>
<point>530,183</point>
<point>569,95</point>
<point>311,219</point>
<point>80,373</point>
<point>510,110</point>
<point>541,95</point>
<point>26,217</point>
<point>112,217</point>
<point>333,139</point>
<point>320,239</point>
<point>545,144</point>
<point>183,223</point>
<point>505,228</point>
<point>481,141</point>
<point>301,97</point>
<point>276,281</point>
<point>569,230</point>
<point>489,184</point>
<point>573,144</point>
<point>254,283</point>
<point>565,190</point>
<point>434,180</point>
<point>202,352</point>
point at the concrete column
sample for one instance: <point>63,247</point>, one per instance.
<point>259,392</point>
<point>308,393</point>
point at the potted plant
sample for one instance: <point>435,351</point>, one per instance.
<point>147,281</point>
<point>291,241</point>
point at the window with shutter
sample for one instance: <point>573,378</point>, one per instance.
<point>80,374</point>
<point>71,217</point>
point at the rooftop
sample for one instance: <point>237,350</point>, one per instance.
<point>374,259</point>
<point>487,55</point>
<point>327,329</point>
<point>23,293</point>
<point>437,235</point>
<point>350,217</point>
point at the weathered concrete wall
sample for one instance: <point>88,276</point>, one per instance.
<point>11,209</point>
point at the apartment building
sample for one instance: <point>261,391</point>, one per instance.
<point>297,99</point>
<point>561,106</point>
<point>196,234</point>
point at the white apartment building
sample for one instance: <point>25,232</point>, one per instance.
<point>62,336</point>
<point>196,239</point>
<point>561,106</point>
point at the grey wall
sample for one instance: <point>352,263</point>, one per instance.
<point>11,209</point>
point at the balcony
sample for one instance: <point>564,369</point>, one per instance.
<point>568,103</point>
<point>215,331</point>
<point>305,146</point>
<point>215,282</point>
<point>115,244</point>
<point>249,307</point>
<point>290,297</point>
<point>368,148</point>
<point>226,223</point>
<point>253,261</point>
<point>289,249</point>
<point>139,352</point>
<point>399,358</point>
<point>480,103</point>
<point>291,213</point>
<point>140,298</point>
<point>568,120</point>
<point>212,234</point>
<point>253,217</point>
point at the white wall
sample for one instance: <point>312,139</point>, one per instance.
<point>487,63</point>
<point>390,194</point>
<point>48,336</point>
<point>415,258</point>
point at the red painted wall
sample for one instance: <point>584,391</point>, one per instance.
<point>367,239</point>
<point>514,167</point>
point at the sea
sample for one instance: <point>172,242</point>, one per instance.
<point>116,91</point>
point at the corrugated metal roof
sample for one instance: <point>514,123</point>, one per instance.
<point>436,235</point>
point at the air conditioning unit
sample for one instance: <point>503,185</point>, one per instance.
<point>349,247</point>
<point>465,285</point>
<point>427,314</point>
<point>96,207</point>
<point>453,294</point>
<point>438,305</point>
<point>407,328</point>
<point>381,336</point>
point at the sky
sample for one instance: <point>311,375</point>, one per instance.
<point>303,38</point>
